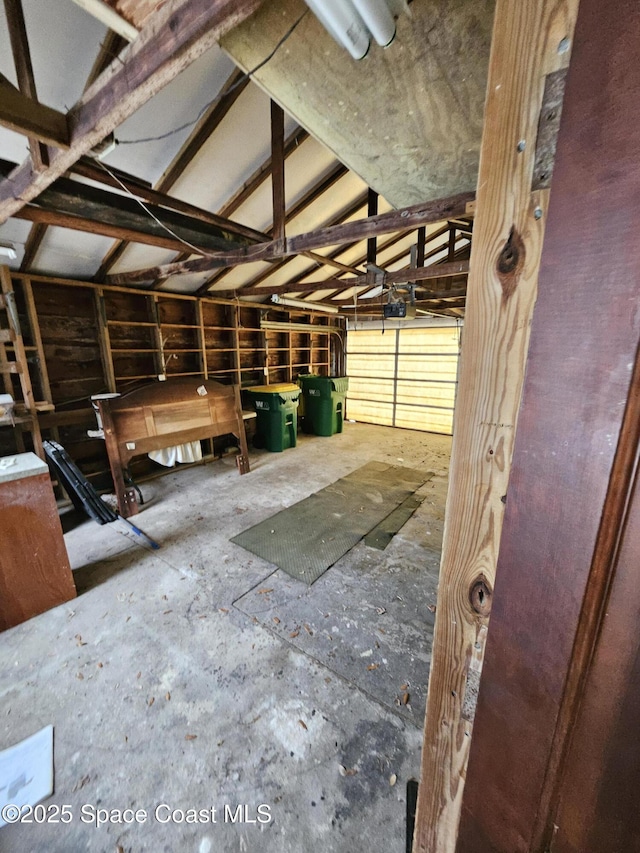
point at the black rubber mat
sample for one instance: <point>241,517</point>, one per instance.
<point>307,538</point>
<point>383,533</point>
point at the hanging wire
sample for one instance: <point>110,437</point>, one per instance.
<point>220,96</point>
<point>196,249</point>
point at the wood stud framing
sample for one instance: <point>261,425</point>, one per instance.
<point>508,235</point>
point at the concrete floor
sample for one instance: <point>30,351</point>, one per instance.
<point>175,680</point>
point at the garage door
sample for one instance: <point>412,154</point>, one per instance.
<point>404,377</point>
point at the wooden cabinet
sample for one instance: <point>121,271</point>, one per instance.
<point>34,567</point>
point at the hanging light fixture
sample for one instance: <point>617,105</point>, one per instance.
<point>301,303</point>
<point>352,23</point>
<point>377,19</point>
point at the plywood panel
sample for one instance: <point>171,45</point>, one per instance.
<point>412,136</point>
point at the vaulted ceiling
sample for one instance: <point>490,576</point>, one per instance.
<point>400,128</point>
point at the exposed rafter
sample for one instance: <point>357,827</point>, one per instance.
<point>93,170</point>
<point>293,141</point>
<point>24,115</point>
<point>174,37</point>
<point>352,209</point>
<point>212,118</point>
<point>109,50</point>
<point>24,71</point>
<point>384,223</point>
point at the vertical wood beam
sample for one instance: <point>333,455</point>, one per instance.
<point>559,707</point>
<point>24,71</point>
<point>277,171</point>
<point>421,241</point>
<point>530,40</point>
<point>202,339</point>
<point>109,50</point>
<point>372,242</point>
<point>32,244</point>
<point>229,94</point>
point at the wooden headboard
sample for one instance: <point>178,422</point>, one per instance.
<point>164,414</point>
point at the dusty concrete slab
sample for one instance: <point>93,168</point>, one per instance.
<point>369,618</point>
<point>162,693</point>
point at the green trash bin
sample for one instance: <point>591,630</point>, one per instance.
<point>276,415</point>
<point>324,398</point>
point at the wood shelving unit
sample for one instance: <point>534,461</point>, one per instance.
<point>87,339</point>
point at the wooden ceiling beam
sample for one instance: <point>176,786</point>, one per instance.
<point>384,223</point>
<point>32,245</point>
<point>433,271</point>
<point>175,36</point>
<point>30,118</point>
<point>94,171</point>
<point>291,287</point>
<point>421,256</point>
<point>293,141</point>
<point>308,198</point>
<point>277,172</point>
<point>80,223</point>
<point>24,71</point>
<point>444,299</point>
<point>230,92</point>
<point>101,212</point>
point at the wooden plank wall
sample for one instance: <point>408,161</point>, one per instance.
<point>555,758</point>
<point>530,41</point>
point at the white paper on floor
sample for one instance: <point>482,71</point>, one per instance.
<point>26,772</point>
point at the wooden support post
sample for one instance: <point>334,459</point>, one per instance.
<point>421,240</point>
<point>277,171</point>
<point>555,758</point>
<point>530,40</point>
<point>372,242</point>
<point>24,71</point>
<point>202,340</point>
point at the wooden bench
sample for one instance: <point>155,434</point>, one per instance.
<point>164,414</point>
